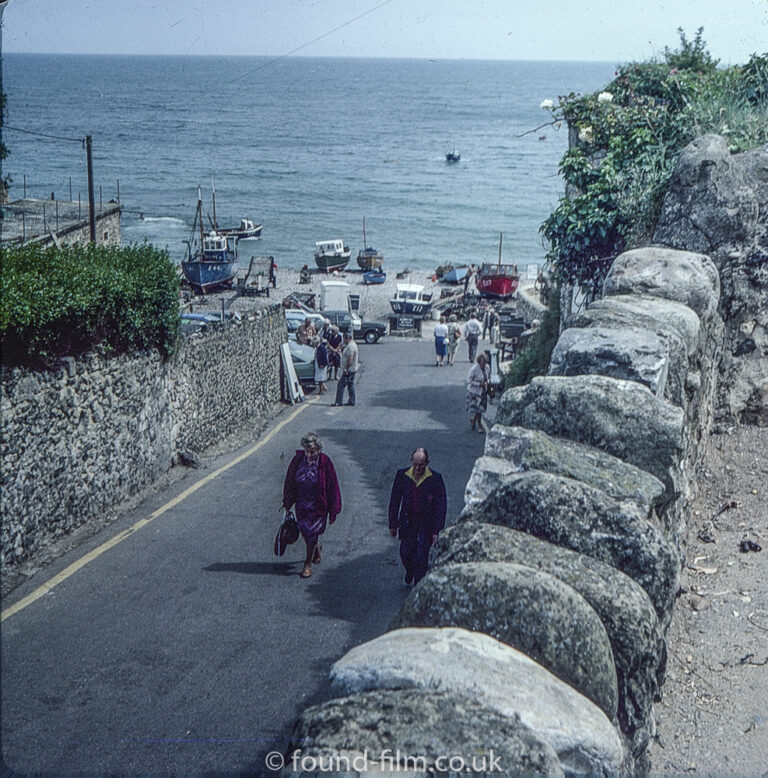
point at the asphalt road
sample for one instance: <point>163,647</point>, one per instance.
<point>188,647</point>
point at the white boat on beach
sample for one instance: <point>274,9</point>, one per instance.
<point>411,299</point>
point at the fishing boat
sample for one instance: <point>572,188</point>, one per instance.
<point>368,257</point>
<point>215,262</point>
<point>331,255</point>
<point>498,281</point>
<point>247,228</point>
<point>411,299</point>
<point>455,275</point>
<point>375,276</point>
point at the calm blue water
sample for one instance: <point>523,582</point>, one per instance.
<point>309,146</point>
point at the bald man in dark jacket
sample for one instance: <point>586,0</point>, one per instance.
<point>417,508</point>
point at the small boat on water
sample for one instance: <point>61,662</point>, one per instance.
<point>215,262</point>
<point>247,228</point>
<point>368,257</point>
<point>411,299</point>
<point>331,255</point>
<point>376,276</point>
<point>498,281</point>
<point>452,156</point>
<point>455,275</point>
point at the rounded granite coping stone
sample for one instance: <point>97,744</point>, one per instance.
<point>682,276</point>
<point>622,418</point>
<point>526,609</point>
<point>530,449</point>
<point>498,676</point>
<point>579,517</point>
<point>418,731</point>
<point>627,613</point>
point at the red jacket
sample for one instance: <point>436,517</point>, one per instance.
<point>329,494</point>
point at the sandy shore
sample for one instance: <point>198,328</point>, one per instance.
<point>374,299</point>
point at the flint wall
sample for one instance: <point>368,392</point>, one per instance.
<point>79,440</point>
<point>548,598</point>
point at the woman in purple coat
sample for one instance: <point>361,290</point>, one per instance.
<point>311,485</point>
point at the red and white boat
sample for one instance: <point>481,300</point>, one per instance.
<point>498,281</point>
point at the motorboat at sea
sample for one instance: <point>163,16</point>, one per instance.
<point>331,255</point>
<point>246,230</point>
<point>411,299</point>
<point>498,280</point>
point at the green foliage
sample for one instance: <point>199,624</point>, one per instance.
<point>68,301</point>
<point>629,139</point>
<point>534,359</point>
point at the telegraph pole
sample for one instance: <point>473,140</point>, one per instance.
<point>91,198</point>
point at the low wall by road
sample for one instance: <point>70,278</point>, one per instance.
<point>539,632</point>
<point>78,441</point>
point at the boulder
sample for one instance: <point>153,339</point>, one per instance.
<point>632,353</point>
<point>526,449</point>
<point>673,322</point>
<point>527,609</point>
<point>620,417</point>
<point>495,675</point>
<point>584,519</point>
<point>418,731</point>
<point>637,641</point>
<point>683,276</point>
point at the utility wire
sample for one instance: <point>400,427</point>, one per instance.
<point>315,40</point>
<point>43,134</point>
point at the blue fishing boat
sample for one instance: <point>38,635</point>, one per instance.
<point>215,263</point>
<point>377,276</point>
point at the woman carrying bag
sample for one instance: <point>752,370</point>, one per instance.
<point>312,487</point>
<point>477,392</point>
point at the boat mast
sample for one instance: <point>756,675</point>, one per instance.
<point>200,215</point>
<point>500,237</point>
<point>213,198</point>
<point>365,241</point>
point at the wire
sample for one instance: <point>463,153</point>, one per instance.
<point>43,134</point>
<point>315,40</point>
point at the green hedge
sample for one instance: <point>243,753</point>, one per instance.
<point>68,301</point>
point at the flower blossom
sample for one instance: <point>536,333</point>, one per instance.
<point>585,135</point>
<point>605,97</point>
<point>547,103</point>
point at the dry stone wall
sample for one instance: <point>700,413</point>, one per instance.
<point>79,440</point>
<point>546,605</point>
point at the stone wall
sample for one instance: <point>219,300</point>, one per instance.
<point>539,630</point>
<point>78,441</point>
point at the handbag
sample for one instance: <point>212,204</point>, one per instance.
<point>287,534</point>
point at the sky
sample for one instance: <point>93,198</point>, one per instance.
<point>587,30</point>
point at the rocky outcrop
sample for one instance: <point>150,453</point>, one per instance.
<point>629,618</point>
<point>717,204</point>
<point>416,732</point>
<point>527,609</point>
<point>493,674</point>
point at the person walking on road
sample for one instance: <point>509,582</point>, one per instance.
<point>335,346</point>
<point>478,381</point>
<point>321,363</point>
<point>472,330</point>
<point>441,338</point>
<point>417,509</point>
<point>454,338</point>
<point>312,487</point>
<point>349,366</point>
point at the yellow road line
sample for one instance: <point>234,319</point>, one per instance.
<point>91,555</point>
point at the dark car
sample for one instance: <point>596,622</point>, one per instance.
<point>370,331</point>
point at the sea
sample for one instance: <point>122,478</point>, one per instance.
<point>310,147</point>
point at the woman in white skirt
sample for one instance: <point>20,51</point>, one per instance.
<point>321,364</point>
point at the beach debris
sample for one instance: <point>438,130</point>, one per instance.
<point>748,545</point>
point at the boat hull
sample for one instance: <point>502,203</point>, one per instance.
<point>330,262</point>
<point>205,275</point>
<point>455,276</point>
<point>410,307</point>
<point>374,277</point>
<point>497,286</point>
<point>369,259</point>
<point>251,232</point>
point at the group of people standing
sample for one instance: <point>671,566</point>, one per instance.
<point>334,353</point>
<point>417,505</point>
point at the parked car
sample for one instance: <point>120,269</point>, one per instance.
<point>368,331</point>
<point>192,323</point>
